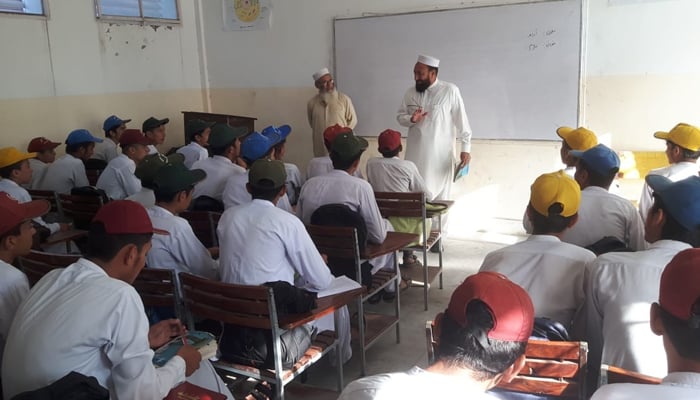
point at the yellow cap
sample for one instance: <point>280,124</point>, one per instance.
<point>553,188</point>
<point>580,138</point>
<point>10,155</point>
<point>684,135</point>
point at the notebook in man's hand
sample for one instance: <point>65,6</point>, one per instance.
<point>205,342</point>
<point>460,172</point>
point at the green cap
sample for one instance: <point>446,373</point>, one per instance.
<point>265,169</point>
<point>195,126</point>
<point>147,168</point>
<point>173,178</point>
<point>348,146</point>
<point>223,135</point>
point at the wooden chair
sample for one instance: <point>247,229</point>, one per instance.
<point>48,195</point>
<point>93,174</point>
<point>36,264</point>
<point>253,307</point>
<point>203,224</point>
<point>158,288</point>
<point>81,209</point>
<point>612,374</point>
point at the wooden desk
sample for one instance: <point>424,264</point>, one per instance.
<point>324,306</point>
<point>64,237</point>
<point>394,241</point>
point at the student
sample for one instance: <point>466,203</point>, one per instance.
<point>45,154</point>
<point>261,243</point>
<point>68,171</point>
<point>602,213</point>
<point>16,232</point>
<point>224,150</point>
<point>118,179</point>
<point>550,270</point>
<point>154,129</point>
<point>682,152</point>
<point>323,164</point>
<point>89,319</point>
<point>481,339</point>
<point>294,178</point>
<point>198,138</point>
<point>146,172</point>
<point>620,287</point>
<point>675,318</point>
<point>579,139</point>
<point>113,127</point>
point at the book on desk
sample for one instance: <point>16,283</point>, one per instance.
<point>204,342</point>
<point>188,391</point>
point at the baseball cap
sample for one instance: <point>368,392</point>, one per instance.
<point>112,122</point>
<point>555,188</point>
<point>40,144</point>
<point>577,138</point>
<point>389,140</point>
<point>223,135</point>
<point>510,305</point>
<point>681,199</point>
<point>81,136</point>
<point>125,217</point>
<point>153,123</point>
<point>283,131</point>
<point>684,135</point>
<point>147,168</point>
<point>348,146</point>
<point>256,145</point>
<point>264,169</point>
<point>195,126</point>
<point>679,289</point>
<point>134,136</point>
<point>10,155</point>
<point>600,158</point>
<point>334,130</point>
<point>13,213</point>
<point>173,178</point>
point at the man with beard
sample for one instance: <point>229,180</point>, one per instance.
<point>434,113</point>
<point>327,108</point>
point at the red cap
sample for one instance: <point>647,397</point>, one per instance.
<point>134,136</point>
<point>332,131</point>
<point>125,217</point>
<point>679,289</point>
<point>389,140</point>
<point>510,305</point>
<point>40,144</point>
<point>13,213</point>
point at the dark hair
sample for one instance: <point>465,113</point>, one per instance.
<point>461,347</point>
<point>264,190</point>
<point>6,172</point>
<point>104,247</point>
<point>390,153</point>
<point>552,223</point>
<point>595,178</point>
<point>168,197</point>
<point>218,150</point>
<point>190,137</point>
<point>74,148</point>
<point>690,154</point>
<point>124,147</point>
<point>684,335</point>
<point>339,163</point>
<point>436,69</point>
<point>15,231</point>
<point>672,229</point>
<point>279,146</point>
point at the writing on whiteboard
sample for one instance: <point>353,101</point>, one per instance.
<point>545,40</point>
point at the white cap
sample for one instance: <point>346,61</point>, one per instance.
<point>429,61</point>
<point>321,73</point>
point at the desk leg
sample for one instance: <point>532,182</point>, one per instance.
<point>397,305</point>
<point>361,328</point>
<point>338,351</point>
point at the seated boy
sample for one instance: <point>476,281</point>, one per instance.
<point>118,179</point>
<point>224,150</point>
<point>197,132</point>
<point>579,139</point>
<point>113,127</point>
<point>45,154</point>
<point>322,165</point>
<point>68,172</point>
<point>146,172</point>
<point>294,178</point>
<point>154,129</point>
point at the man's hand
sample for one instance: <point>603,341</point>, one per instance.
<point>192,358</point>
<point>418,115</point>
<point>464,158</point>
<point>162,332</point>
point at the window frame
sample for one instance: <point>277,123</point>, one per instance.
<point>137,20</point>
<point>44,15</point>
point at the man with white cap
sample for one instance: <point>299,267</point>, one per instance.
<point>327,108</point>
<point>434,113</point>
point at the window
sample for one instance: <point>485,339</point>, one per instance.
<point>31,7</point>
<point>140,10</point>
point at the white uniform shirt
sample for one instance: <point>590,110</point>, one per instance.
<point>22,195</point>
<point>295,180</point>
<point>193,152</point>
<point>118,179</point>
<point>620,288</point>
<point>601,214</point>
<point>218,169</point>
<point>80,319</point>
<point>14,287</point>
<point>236,193</point>
<point>430,142</point>
<point>395,175</point>
<point>675,386</point>
<point>145,197</point>
<point>64,174</point>
<point>550,270</point>
<point>38,172</point>
<point>152,149</point>
<point>674,172</point>
<point>322,165</point>
<point>107,150</point>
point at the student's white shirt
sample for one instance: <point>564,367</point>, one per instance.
<point>107,150</point>
<point>675,386</point>
<point>620,288</point>
<point>395,175</point>
<point>193,152</point>
<point>322,165</point>
<point>145,197</point>
<point>38,172</point>
<point>605,214</point>
<point>218,169</point>
<point>236,193</point>
<point>22,195</point>
<point>64,174</point>
<point>550,270</point>
<point>118,179</point>
<point>294,182</point>
<point>14,287</point>
<point>152,149</point>
<point>674,172</point>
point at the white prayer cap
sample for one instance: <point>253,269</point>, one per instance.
<point>429,61</point>
<point>320,73</point>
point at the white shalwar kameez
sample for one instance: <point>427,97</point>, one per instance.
<point>674,172</point>
<point>106,150</point>
<point>64,174</point>
<point>14,287</point>
<point>38,171</point>
<point>218,169</point>
<point>676,386</point>
<point>118,179</point>
<point>295,180</point>
<point>322,165</point>
<point>236,193</point>
<point>193,152</point>
<point>395,175</point>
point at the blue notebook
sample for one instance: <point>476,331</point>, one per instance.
<point>205,342</point>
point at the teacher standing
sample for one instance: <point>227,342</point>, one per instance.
<point>434,113</point>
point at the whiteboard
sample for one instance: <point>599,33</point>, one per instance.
<point>517,66</point>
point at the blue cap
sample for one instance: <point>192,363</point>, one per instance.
<point>112,122</point>
<point>283,131</point>
<point>600,159</point>
<point>681,199</point>
<point>81,136</point>
<point>256,145</point>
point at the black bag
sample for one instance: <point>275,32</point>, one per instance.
<point>206,203</point>
<point>549,329</point>
<point>608,244</point>
<point>74,386</point>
